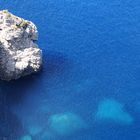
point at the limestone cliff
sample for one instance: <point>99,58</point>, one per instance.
<point>19,53</point>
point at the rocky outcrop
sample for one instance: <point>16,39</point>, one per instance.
<point>19,53</point>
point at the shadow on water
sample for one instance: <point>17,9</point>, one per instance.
<point>10,126</point>
<point>11,94</point>
<point>16,91</point>
<point>55,64</point>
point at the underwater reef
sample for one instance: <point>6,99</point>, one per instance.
<point>66,123</point>
<point>112,110</point>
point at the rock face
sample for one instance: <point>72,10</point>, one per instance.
<point>19,53</point>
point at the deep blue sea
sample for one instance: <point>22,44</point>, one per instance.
<point>89,87</point>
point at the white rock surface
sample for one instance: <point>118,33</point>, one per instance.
<point>19,54</point>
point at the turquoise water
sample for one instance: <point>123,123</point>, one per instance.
<point>89,87</point>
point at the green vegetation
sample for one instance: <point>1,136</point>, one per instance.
<point>5,11</point>
<point>8,15</point>
<point>23,24</point>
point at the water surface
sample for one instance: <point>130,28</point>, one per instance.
<point>89,87</point>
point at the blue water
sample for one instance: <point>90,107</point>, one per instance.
<point>89,87</point>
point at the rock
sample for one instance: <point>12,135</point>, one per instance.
<point>26,137</point>
<point>66,123</point>
<point>111,110</point>
<point>19,53</point>
<point>34,129</point>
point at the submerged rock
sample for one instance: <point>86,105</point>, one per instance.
<point>19,53</point>
<point>111,110</point>
<point>34,130</point>
<point>26,137</point>
<point>66,123</point>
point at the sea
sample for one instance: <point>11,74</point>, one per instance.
<point>89,85</point>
